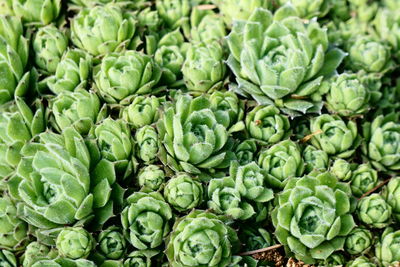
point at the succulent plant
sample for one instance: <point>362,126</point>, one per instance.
<point>12,31</point>
<point>183,192</point>
<point>183,133</point>
<point>340,10</point>
<point>8,259</point>
<point>361,261</point>
<point>40,12</point>
<point>334,136</point>
<point>147,143</point>
<point>374,211</point>
<point>111,243</point>
<point>151,177</point>
<point>14,51</point>
<point>245,152</point>
<point>386,250</point>
<point>240,9</point>
<point>251,181</point>
<point>315,159</point>
<point>35,252</point>
<point>71,73</point>
<point>310,9</point>
<point>386,24</point>
<point>6,169</point>
<point>49,45</point>
<point>201,239</point>
<point>146,220</point>
<point>124,75</point>
<point>335,259</point>
<point>363,179</point>
<point>192,136</point>
<point>6,7</point>
<point>391,193</point>
<point>74,243</point>
<point>141,258</point>
<point>382,143</point>
<point>142,111</point>
<point>170,58</point>
<point>254,238</point>
<point>60,262</point>
<point>368,54</point>
<point>13,231</point>
<point>135,4</point>
<point>392,4</point>
<point>282,73</point>
<point>103,29</point>
<point>347,96</point>
<point>342,169</point>
<point>388,103</point>
<point>281,162</point>
<point>116,145</point>
<point>80,109</point>
<point>54,183</point>
<point>204,69</point>
<point>359,241</point>
<point>266,124</point>
<point>313,216</point>
<point>364,10</point>
<point>228,109</point>
<point>206,27</point>
<point>149,20</point>
<point>225,199</point>
<point>19,124</point>
<point>173,38</point>
<point>174,13</point>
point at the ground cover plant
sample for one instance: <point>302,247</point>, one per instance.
<point>184,133</point>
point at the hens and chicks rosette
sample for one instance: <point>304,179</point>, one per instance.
<point>185,133</point>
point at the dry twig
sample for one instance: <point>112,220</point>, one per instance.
<point>249,253</point>
<point>308,137</point>
<point>375,188</point>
